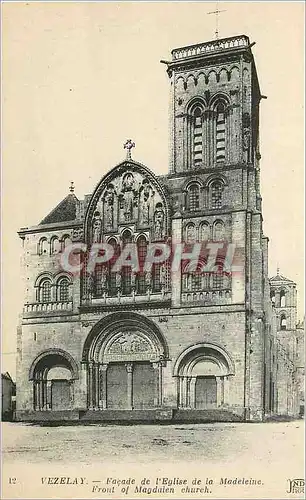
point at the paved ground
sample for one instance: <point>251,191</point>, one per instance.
<point>219,442</point>
<point>103,455</point>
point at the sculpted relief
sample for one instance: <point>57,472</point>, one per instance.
<point>129,343</point>
<point>130,198</point>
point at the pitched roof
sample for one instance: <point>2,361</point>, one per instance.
<point>279,278</point>
<point>65,211</point>
<point>7,376</point>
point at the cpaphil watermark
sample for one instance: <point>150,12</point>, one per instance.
<point>211,257</point>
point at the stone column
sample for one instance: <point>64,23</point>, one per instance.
<point>192,392</point>
<point>49,395</point>
<point>41,394</point>
<point>219,396</point>
<point>129,368</point>
<point>90,385</point>
<point>97,385</point>
<point>188,381</point>
<point>103,386</point>
<point>158,368</point>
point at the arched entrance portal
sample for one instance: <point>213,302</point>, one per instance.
<point>53,373</point>
<point>124,356</point>
<point>203,372</point>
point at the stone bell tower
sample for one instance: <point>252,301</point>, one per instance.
<point>214,105</point>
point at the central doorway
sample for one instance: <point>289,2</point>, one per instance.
<point>131,386</point>
<point>205,392</point>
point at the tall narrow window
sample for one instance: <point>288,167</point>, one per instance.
<point>283,322</point>
<point>63,290</point>
<point>142,252</point>
<point>45,291</point>
<point>126,274</point>
<point>112,289</point>
<point>219,231</point>
<point>220,132</point>
<point>193,197</point>
<point>283,298</point>
<point>156,277</point>
<point>42,246</point>
<point>272,296</point>
<point>197,137</point>
<point>217,281</point>
<point>216,190</point>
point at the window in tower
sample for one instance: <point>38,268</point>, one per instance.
<point>216,190</point>
<point>197,137</point>
<point>283,322</point>
<point>220,132</point>
<point>283,298</point>
<point>193,197</point>
<point>63,290</point>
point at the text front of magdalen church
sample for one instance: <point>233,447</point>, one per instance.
<point>109,334</point>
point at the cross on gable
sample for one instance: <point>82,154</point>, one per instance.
<point>128,146</point>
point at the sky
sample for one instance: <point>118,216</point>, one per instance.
<point>81,78</point>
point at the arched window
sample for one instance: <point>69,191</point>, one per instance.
<point>283,298</point>
<point>142,245</point>
<point>55,245</point>
<point>44,291</point>
<point>66,241</point>
<point>126,275</point>
<point>220,132</point>
<point>195,134</point>
<point>283,322</point>
<point>218,231</point>
<point>43,246</point>
<point>197,137</point>
<point>112,286</point>
<point>193,197</point>
<point>204,233</point>
<point>216,191</point>
<point>63,289</point>
<point>190,233</point>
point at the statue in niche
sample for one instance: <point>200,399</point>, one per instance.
<point>109,200</point>
<point>96,228</point>
<point>128,196</point>
<point>145,202</point>
<point>159,217</point>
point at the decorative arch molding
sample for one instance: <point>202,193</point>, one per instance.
<point>55,352</point>
<point>197,351</point>
<point>216,177</point>
<point>42,276</point>
<point>194,102</point>
<point>193,180</point>
<point>120,170</point>
<point>217,97</point>
<point>108,330</point>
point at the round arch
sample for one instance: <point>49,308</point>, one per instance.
<point>54,352</point>
<point>185,360</point>
<point>111,326</point>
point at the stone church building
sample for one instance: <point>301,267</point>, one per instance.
<point>164,344</point>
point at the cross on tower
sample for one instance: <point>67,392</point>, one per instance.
<point>128,146</point>
<point>217,12</point>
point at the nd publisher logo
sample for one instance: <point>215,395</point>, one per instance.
<point>296,486</point>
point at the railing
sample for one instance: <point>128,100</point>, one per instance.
<point>131,299</point>
<point>211,297</point>
<point>208,47</point>
<point>47,306</point>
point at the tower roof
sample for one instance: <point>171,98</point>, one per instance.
<point>279,278</point>
<point>66,210</point>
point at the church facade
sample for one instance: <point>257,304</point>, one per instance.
<point>116,341</point>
